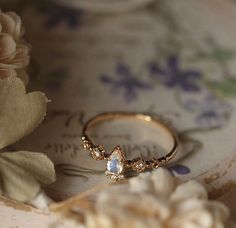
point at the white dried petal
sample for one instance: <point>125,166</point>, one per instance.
<point>164,182</point>
<point>157,199</point>
<point>189,204</point>
<point>219,210</point>
<point>199,218</point>
<point>190,189</point>
<point>141,183</point>
<point>41,201</point>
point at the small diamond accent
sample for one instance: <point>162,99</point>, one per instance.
<point>97,153</point>
<point>86,145</point>
<point>139,165</point>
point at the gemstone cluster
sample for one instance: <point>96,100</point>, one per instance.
<point>98,152</point>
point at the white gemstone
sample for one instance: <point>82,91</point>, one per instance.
<point>114,165</point>
<point>97,152</point>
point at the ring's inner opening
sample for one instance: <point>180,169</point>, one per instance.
<point>137,137</point>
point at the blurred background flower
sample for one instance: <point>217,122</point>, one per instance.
<point>211,111</point>
<point>125,80</point>
<point>58,14</point>
<point>14,51</point>
<point>156,199</point>
<point>173,76</point>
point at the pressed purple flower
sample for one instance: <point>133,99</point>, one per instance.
<point>179,169</point>
<point>125,81</point>
<point>57,14</point>
<point>55,79</point>
<point>213,113</point>
<point>173,76</point>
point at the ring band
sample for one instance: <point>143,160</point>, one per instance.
<point>116,162</point>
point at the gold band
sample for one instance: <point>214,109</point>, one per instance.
<point>116,160</point>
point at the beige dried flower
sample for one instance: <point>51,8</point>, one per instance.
<point>14,51</point>
<point>158,200</point>
<point>22,173</point>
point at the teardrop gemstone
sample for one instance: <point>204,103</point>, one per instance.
<point>115,164</point>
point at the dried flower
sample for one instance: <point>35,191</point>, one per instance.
<point>21,173</point>
<point>157,199</point>
<point>14,51</point>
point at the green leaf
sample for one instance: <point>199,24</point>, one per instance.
<point>20,112</point>
<point>23,173</point>
<point>223,54</point>
<point>226,88</point>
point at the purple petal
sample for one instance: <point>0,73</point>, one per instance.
<point>155,69</point>
<point>52,22</point>
<point>106,79</point>
<point>180,169</point>
<point>130,95</point>
<point>142,85</point>
<point>189,87</point>
<point>192,74</point>
<point>209,119</point>
<point>171,83</point>
<point>122,70</point>
<point>173,63</point>
<point>192,105</point>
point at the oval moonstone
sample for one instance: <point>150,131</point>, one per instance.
<point>114,166</point>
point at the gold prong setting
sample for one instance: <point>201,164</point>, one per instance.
<point>115,177</point>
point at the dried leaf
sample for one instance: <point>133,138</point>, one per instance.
<point>22,173</point>
<point>20,112</point>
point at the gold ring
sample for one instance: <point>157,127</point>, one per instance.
<point>116,162</point>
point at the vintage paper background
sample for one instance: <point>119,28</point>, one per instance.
<point>175,59</point>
